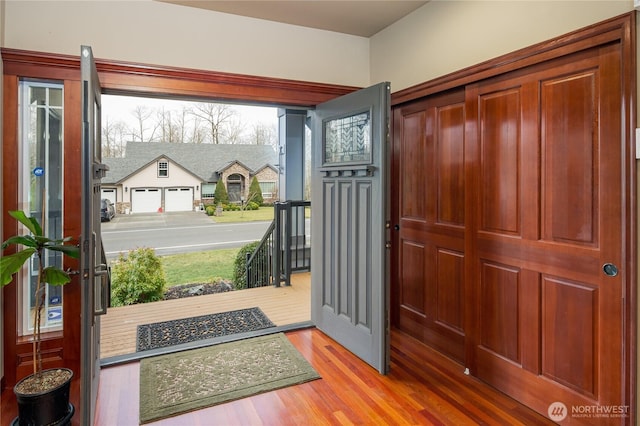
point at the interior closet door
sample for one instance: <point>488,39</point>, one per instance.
<point>545,249</point>
<point>429,221</point>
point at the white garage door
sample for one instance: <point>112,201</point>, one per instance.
<point>178,199</point>
<point>146,200</point>
<point>109,194</point>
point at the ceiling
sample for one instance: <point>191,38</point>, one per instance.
<point>360,17</point>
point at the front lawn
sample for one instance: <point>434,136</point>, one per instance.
<point>262,214</point>
<point>199,267</point>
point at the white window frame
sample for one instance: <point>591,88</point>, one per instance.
<point>262,188</point>
<point>162,169</point>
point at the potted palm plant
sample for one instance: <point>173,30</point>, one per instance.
<point>43,396</point>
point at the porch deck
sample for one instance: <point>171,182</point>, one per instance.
<point>282,305</point>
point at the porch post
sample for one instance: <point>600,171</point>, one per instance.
<point>291,129</point>
<point>291,182</point>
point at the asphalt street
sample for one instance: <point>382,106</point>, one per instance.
<point>172,233</point>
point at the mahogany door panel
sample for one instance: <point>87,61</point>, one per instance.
<point>548,159</point>
<point>428,181</point>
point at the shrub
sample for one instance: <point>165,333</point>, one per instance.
<point>252,206</point>
<point>220,195</point>
<point>138,278</point>
<point>240,266</point>
<point>255,192</point>
<point>211,210</point>
<point>230,207</point>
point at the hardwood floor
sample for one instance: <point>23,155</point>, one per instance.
<point>282,305</point>
<point>422,388</point>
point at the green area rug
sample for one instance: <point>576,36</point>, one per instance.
<point>186,381</point>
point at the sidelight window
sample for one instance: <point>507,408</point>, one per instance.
<point>41,185</point>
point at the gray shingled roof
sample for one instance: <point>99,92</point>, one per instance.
<point>203,160</point>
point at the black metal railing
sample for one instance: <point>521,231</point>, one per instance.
<point>284,249</point>
<point>259,265</point>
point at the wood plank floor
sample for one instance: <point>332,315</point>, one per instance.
<point>282,305</point>
<point>423,388</point>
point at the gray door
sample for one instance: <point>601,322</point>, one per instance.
<point>92,261</point>
<point>349,300</point>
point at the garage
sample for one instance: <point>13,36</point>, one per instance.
<point>109,194</point>
<point>178,199</point>
<point>146,200</point>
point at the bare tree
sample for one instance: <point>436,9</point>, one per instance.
<point>114,134</point>
<point>263,134</point>
<point>232,131</point>
<point>142,115</point>
<point>170,127</point>
<point>181,122</point>
<point>215,116</point>
<point>199,132</point>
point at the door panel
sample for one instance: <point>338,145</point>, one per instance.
<point>428,179</point>
<point>566,185</point>
<point>349,283</point>
<point>92,262</point>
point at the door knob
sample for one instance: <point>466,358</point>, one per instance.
<point>610,269</point>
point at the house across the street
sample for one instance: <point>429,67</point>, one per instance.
<point>165,177</point>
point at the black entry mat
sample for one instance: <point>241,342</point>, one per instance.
<point>169,333</point>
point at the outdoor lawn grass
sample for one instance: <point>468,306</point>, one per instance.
<point>199,267</point>
<point>204,266</point>
<point>262,214</point>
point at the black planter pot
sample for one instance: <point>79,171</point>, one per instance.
<point>47,408</point>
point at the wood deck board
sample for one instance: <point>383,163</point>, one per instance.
<point>282,305</point>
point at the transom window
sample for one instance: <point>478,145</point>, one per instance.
<point>163,168</point>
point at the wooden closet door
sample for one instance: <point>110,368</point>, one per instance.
<point>429,221</point>
<point>546,158</point>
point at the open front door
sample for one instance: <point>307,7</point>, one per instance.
<point>92,263</point>
<point>349,299</point>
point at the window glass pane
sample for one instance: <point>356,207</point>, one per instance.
<point>163,169</point>
<point>267,188</point>
<point>55,97</point>
<point>348,139</point>
<point>208,190</point>
<point>42,139</point>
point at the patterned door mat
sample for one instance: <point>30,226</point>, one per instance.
<point>170,333</point>
<point>190,380</point>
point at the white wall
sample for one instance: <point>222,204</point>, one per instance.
<point>445,36</point>
<point>151,32</point>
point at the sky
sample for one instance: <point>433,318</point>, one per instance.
<point>119,108</point>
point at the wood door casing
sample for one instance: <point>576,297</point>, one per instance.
<point>541,208</point>
<point>429,174</point>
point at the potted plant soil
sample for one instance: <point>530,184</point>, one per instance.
<point>43,396</point>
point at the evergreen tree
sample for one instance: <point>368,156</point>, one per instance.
<point>221,196</point>
<point>255,192</point>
